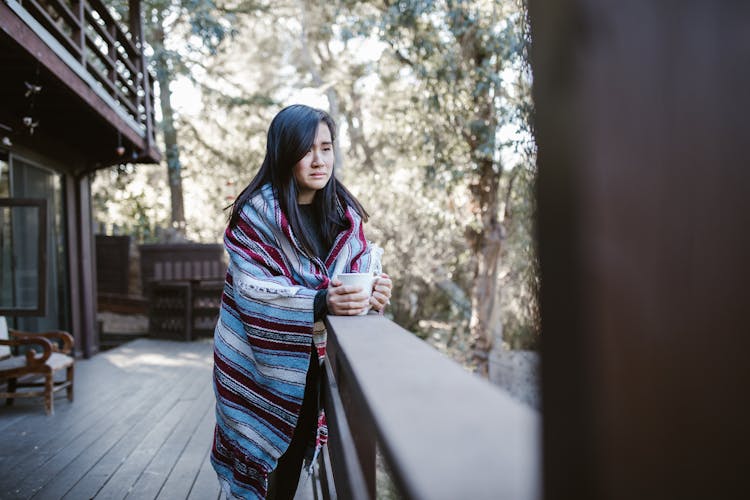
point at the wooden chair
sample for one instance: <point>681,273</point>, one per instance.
<point>37,367</point>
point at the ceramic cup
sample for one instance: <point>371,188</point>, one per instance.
<point>361,280</point>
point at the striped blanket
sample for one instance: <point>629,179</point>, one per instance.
<point>264,336</point>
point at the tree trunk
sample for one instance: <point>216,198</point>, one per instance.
<point>331,95</point>
<point>480,134</point>
<point>487,244</point>
<point>171,146</point>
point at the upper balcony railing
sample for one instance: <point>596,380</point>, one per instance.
<point>88,32</point>
<point>443,432</point>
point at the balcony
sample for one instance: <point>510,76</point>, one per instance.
<point>77,80</point>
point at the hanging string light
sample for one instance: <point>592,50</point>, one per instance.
<point>6,131</point>
<point>120,150</point>
<point>32,90</point>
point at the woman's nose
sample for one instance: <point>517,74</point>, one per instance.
<point>317,159</point>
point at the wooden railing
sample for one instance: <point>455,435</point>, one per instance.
<point>443,432</point>
<point>87,31</point>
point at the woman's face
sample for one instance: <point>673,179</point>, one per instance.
<point>315,168</point>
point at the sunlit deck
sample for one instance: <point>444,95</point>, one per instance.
<point>140,427</point>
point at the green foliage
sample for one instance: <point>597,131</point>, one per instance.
<point>127,200</point>
<point>465,62</point>
<point>520,278</point>
<point>426,95</point>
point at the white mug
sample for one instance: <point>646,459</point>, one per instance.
<point>361,280</point>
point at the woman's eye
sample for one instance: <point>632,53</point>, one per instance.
<point>326,149</point>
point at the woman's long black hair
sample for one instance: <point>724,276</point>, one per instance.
<point>290,136</point>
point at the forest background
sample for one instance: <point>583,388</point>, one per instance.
<point>433,104</point>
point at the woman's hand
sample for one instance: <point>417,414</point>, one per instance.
<point>345,300</point>
<point>381,292</point>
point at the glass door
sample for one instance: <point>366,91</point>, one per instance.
<point>23,233</point>
<point>28,180</point>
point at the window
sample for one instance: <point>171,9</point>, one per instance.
<point>23,256</point>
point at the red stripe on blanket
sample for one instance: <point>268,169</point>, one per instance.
<point>341,240</point>
<point>236,453</point>
<point>274,422</point>
<point>246,381</point>
<point>273,252</point>
<point>277,326</point>
<point>265,324</point>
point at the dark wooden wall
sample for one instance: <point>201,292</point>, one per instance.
<point>112,264</point>
<point>644,211</point>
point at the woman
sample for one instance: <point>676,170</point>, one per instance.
<point>292,229</point>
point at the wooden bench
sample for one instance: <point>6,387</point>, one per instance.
<point>32,369</point>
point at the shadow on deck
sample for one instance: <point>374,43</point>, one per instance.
<point>140,427</point>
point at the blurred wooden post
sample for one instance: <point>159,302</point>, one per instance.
<point>644,214</point>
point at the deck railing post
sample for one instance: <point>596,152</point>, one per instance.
<point>112,54</point>
<point>643,211</point>
<point>79,34</point>
<point>362,429</point>
<point>136,31</point>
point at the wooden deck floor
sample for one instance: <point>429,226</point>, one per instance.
<point>140,428</point>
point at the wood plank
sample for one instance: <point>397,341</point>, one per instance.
<point>186,470</point>
<point>88,389</point>
<point>94,23</point>
<point>63,480</point>
<point>41,15</point>
<point>206,484</point>
<point>45,466</point>
<point>72,199</point>
<point>201,387</point>
<point>34,429</point>
<point>104,13</point>
<point>350,480</point>
<point>108,452</point>
<point>36,441</point>
<point>87,263</point>
<point>96,439</point>
<point>9,422</point>
<point>62,8</point>
<point>127,475</point>
<point>24,416</point>
<point>161,465</point>
<point>92,396</point>
<point>96,477</point>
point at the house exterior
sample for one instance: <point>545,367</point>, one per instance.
<point>75,96</point>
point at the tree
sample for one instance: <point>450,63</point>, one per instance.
<point>181,35</point>
<point>457,51</point>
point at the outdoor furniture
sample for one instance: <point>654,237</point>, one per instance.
<point>184,310</point>
<point>165,262</point>
<point>37,366</point>
<point>183,283</point>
